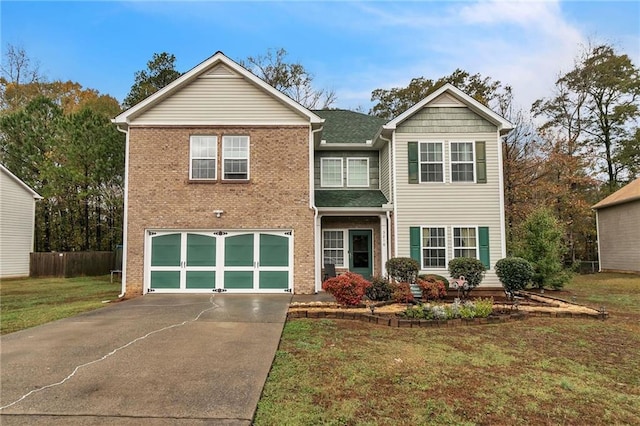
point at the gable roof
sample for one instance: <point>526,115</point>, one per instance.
<point>344,126</point>
<point>627,193</point>
<point>503,125</point>
<point>212,65</point>
<point>20,183</point>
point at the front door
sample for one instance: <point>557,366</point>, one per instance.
<point>360,259</point>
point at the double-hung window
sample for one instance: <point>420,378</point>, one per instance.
<point>462,162</point>
<point>331,172</point>
<point>431,162</point>
<point>465,242</point>
<point>358,172</point>
<point>434,248</point>
<point>333,247</point>
<point>202,152</point>
<point>235,157</point>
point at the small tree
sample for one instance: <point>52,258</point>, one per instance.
<point>540,242</point>
<point>403,269</point>
<point>471,269</point>
<point>515,273</point>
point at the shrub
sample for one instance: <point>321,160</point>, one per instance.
<point>432,288</point>
<point>403,269</point>
<point>540,242</point>
<point>471,269</point>
<point>380,289</point>
<point>402,293</point>
<point>515,273</point>
<point>437,277</point>
<point>348,288</point>
<point>484,307</point>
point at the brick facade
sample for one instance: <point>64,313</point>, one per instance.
<point>276,197</point>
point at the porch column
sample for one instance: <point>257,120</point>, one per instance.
<point>384,247</point>
<point>318,253</point>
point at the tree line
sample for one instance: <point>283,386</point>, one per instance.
<point>572,148</point>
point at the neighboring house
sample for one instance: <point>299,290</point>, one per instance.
<point>232,186</point>
<point>17,221</point>
<point>618,223</point>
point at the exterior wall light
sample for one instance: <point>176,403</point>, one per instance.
<point>218,213</point>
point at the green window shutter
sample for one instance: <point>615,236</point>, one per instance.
<point>414,243</point>
<point>413,162</point>
<point>483,241</point>
<point>481,162</point>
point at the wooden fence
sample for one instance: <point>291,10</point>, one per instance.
<point>72,264</point>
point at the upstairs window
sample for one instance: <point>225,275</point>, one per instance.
<point>202,152</point>
<point>358,172</point>
<point>331,172</point>
<point>462,162</point>
<point>431,162</point>
<point>235,157</point>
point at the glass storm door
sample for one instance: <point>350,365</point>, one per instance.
<point>360,258</point>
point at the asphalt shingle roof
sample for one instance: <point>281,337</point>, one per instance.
<point>343,126</point>
<point>350,198</point>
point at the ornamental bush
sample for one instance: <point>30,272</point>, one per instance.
<point>403,269</point>
<point>432,288</point>
<point>471,269</point>
<point>515,273</point>
<point>348,288</point>
<point>437,277</point>
<point>402,293</point>
<point>380,289</point>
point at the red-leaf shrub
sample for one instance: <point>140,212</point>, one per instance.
<point>432,288</point>
<point>402,293</point>
<point>348,288</point>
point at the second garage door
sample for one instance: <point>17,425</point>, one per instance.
<point>202,261</point>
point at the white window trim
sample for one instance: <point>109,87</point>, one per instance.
<point>420,162</point>
<point>446,248</point>
<point>349,176</point>
<point>345,246</point>
<point>191,157</point>
<point>322,183</point>
<point>248,158</point>
<point>453,240</point>
<point>473,163</point>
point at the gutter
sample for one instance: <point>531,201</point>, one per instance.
<point>312,206</point>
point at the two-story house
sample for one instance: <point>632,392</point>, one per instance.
<point>233,186</point>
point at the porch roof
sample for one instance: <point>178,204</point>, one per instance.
<point>350,198</point>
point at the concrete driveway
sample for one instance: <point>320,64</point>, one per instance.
<point>156,359</point>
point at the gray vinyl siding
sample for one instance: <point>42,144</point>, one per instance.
<point>450,204</point>
<point>446,120</point>
<point>16,227</point>
<point>619,237</point>
<point>374,169</point>
<point>385,182</point>
<point>220,100</point>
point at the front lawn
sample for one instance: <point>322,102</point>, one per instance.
<point>538,371</point>
<point>29,302</point>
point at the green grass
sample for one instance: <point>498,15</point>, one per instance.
<point>538,371</point>
<point>29,302</point>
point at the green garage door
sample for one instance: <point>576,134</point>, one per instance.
<point>220,261</point>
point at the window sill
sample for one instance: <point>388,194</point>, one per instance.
<point>202,181</point>
<point>238,181</point>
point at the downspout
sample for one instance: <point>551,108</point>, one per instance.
<point>123,288</point>
<point>392,196</point>
<point>312,205</point>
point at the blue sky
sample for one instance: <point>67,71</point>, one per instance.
<point>350,47</point>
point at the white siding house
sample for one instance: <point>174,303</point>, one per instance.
<point>17,219</point>
<point>618,220</point>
